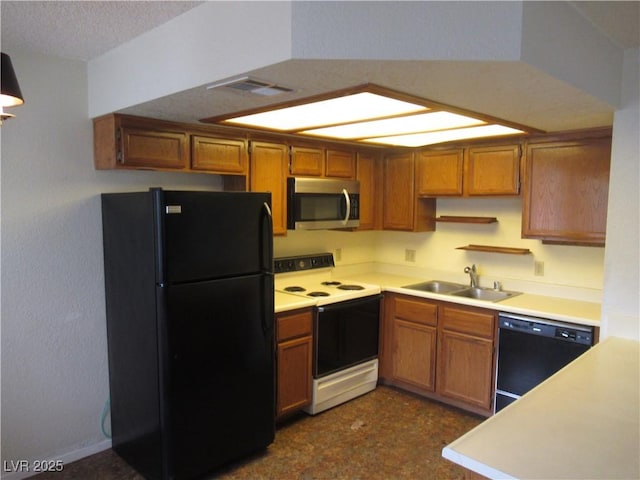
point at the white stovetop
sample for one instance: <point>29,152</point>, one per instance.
<point>313,281</point>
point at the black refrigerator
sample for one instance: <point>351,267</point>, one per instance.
<point>189,307</point>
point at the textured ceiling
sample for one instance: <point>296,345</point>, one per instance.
<point>82,30</point>
<point>86,29</point>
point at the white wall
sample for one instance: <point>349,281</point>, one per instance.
<point>211,42</point>
<point>561,42</point>
<point>621,304</point>
<point>569,271</point>
<point>407,30</point>
<point>54,357</point>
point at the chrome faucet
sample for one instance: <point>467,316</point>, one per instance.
<point>473,274</point>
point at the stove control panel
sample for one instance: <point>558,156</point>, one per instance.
<point>303,262</point>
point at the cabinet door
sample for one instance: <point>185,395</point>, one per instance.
<point>340,164</point>
<point>414,354</point>
<point>566,191</point>
<point>307,161</point>
<point>153,149</point>
<point>223,155</point>
<point>294,360</point>
<point>294,375</point>
<point>439,172</point>
<point>398,194</point>
<point>367,174</point>
<point>268,174</point>
<point>465,368</point>
<point>493,170</point>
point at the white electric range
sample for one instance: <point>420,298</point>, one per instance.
<point>345,331</point>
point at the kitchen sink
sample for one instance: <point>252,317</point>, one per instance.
<point>436,286</point>
<point>460,290</point>
<point>484,294</point>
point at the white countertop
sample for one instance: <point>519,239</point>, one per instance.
<point>554,308</point>
<point>285,302</point>
<point>581,423</point>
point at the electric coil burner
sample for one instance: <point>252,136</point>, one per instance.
<point>345,328</point>
<point>318,294</point>
<point>295,289</point>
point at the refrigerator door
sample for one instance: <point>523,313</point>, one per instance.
<point>207,235</point>
<point>220,396</point>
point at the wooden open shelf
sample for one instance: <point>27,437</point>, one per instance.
<point>492,249</point>
<point>456,219</point>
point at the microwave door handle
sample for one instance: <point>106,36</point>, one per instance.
<point>348,201</point>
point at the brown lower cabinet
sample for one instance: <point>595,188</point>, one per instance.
<point>441,350</point>
<point>293,360</point>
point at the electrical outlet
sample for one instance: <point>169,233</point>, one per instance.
<point>538,269</point>
<point>409,255</point>
<point>338,254</point>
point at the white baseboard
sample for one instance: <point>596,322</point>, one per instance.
<point>24,469</point>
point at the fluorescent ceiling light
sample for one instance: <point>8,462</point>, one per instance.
<point>346,109</point>
<point>374,115</point>
<point>429,138</point>
<point>423,122</point>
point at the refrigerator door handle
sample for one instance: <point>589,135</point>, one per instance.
<point>267,237</point>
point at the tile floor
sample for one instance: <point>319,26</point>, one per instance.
<point>386,434</point>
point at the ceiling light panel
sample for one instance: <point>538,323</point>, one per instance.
<point>346,109</point>
<point>418,123</point>
<point>430,138</point>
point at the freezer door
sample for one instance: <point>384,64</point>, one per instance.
<point>219,391</point>
<point>207,235</point>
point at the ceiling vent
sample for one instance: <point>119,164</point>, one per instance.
<point>252,86</point>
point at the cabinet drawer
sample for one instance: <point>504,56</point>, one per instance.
<point>468,321</point>
<point>416,311</point>
<point>291,325</point>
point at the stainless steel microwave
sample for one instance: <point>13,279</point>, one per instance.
<point>322,203</point>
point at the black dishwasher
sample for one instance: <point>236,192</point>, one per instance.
<point>532,349</point>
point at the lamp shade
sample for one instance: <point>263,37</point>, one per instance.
<point>11,94</point>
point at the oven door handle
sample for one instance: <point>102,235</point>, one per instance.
<point>350,303</point>
<point>348,201</point>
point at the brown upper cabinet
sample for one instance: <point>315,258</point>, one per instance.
<point>402,209</point>
<point>307,161</point>
<point>469,171</point>
<point>340,164</point>
<point>439,172</point>
<point>369,175</point>
<point>223,155</point>
<point>268,174</point>
<point>566,190</point>
<point>128,142</point>
<point>493,170</point>
<point>318,162</point>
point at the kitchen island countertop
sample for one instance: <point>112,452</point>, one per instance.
<point>581,423</point>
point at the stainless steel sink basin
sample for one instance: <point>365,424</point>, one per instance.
<point>484,294</point>
<point>436,286</point>
<point>460,290</point>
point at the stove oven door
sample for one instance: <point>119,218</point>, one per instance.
<point>346,334</point>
